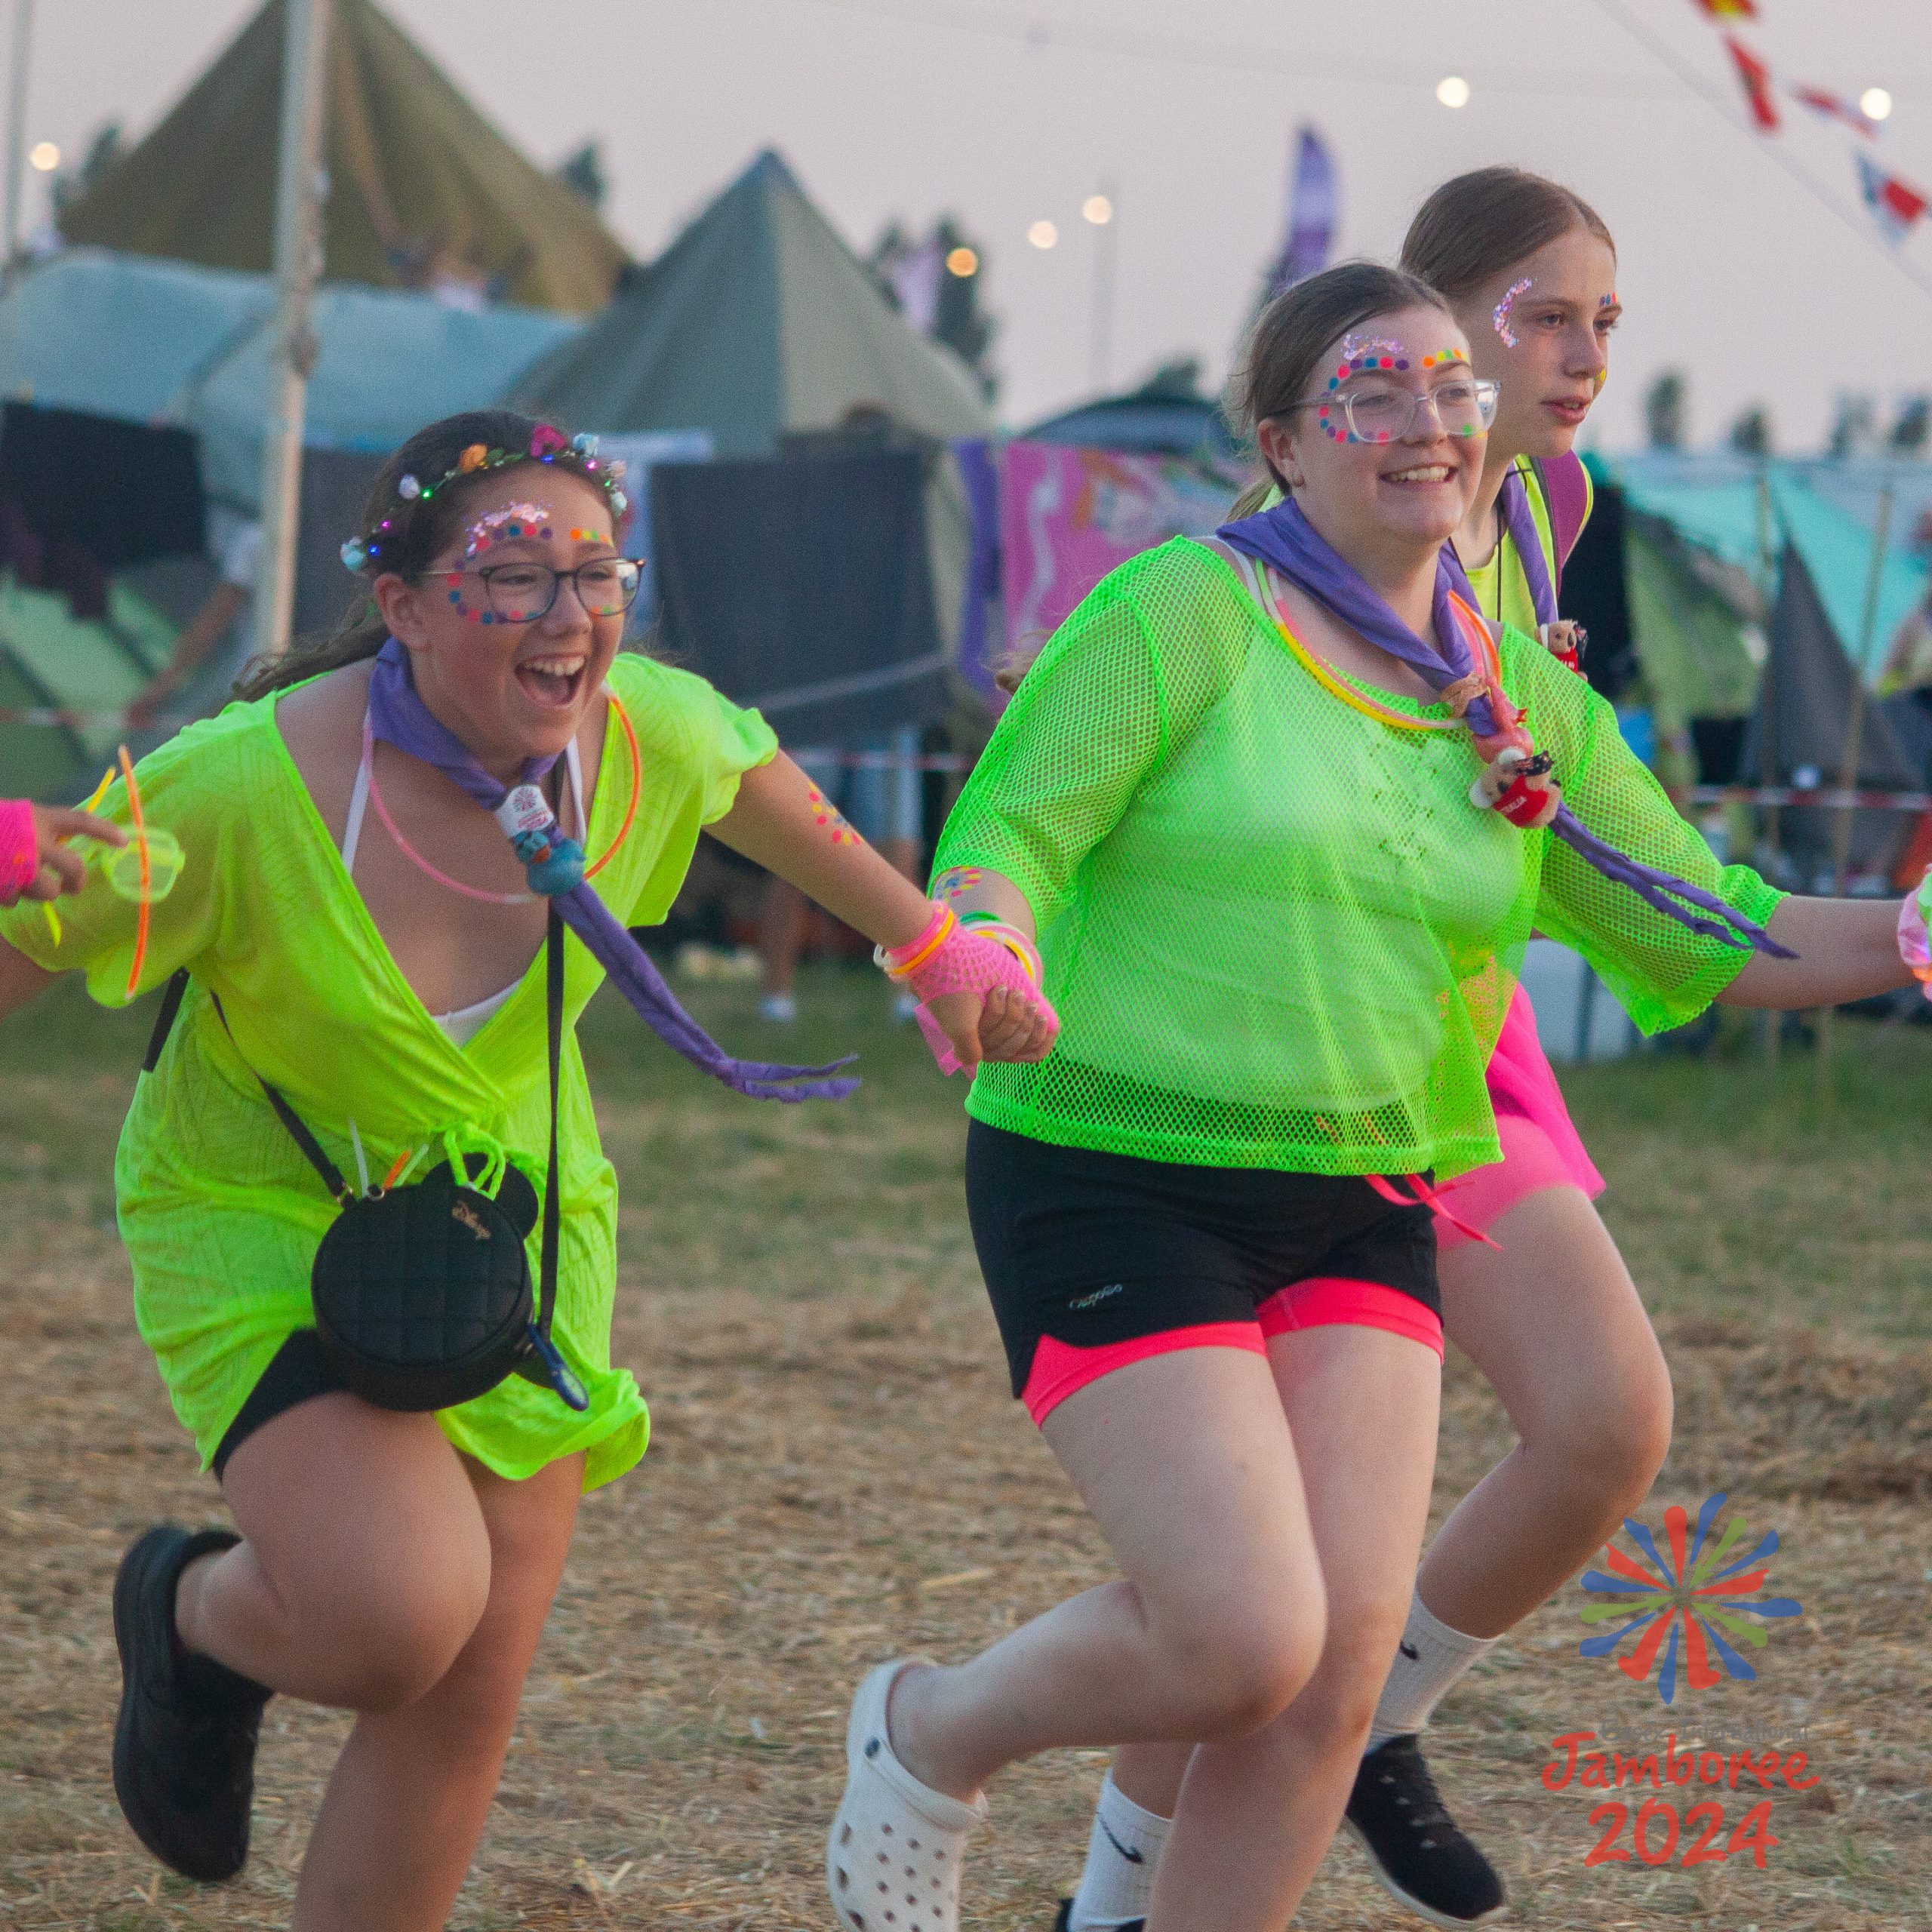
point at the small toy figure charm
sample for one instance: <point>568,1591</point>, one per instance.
<point>1566,641</point>
<point>551,863</point>
<point>1518,784</point>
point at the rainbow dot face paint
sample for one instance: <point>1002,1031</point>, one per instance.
<point>1500,315</point>
<point>825,813</point>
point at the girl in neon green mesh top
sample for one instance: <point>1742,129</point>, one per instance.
<point>1281,936</point>
<point>377,952</point>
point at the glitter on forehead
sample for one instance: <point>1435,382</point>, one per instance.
<point>1353,345</point>
<point>1500,316</point>
<point>504,525</point>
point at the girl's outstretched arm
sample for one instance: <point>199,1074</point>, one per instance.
<point>1847,949</point>
<point>20,979</point>
<point>782,820</point>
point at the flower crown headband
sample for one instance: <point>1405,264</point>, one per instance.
<point>547,444</point>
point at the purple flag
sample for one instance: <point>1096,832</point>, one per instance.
<point>1311,208</point>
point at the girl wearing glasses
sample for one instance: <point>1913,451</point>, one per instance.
<point>1284,809</point>
<point>1550,1313</point>
<point>376,948</point>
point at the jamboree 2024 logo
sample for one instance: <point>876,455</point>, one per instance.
<point>1688,1610</point>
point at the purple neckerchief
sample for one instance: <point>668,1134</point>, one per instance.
<point>1283,538</point>
<point>1520,520</point>
<point>398,715</point>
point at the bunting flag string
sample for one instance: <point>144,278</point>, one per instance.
<point>1833,109</point>
<point>1756,77</point>
<point>1896,204</point>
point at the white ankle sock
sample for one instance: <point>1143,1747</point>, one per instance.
<point>1429,1658</point>
<point>1122,1851</point>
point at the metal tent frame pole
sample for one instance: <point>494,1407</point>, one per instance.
<point>298,258</point>
<point>17,132</point>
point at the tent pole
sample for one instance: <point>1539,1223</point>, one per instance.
<point>1771,1024</point>
<point>1101,357</point>
<point>1854,735</point>
<point>297,263</point>
<point>17,133</point>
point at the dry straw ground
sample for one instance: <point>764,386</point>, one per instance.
<point>838,1475</point>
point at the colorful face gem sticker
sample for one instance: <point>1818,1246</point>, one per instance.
<point>1608,301</point>
<point>827,814</point>
<point>1500,315</point>
<point>588,537</point>
<point>1442,358</point>
<point>504,526</point>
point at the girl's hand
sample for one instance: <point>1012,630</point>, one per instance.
<point>58,868</point>
<point>1005,1026</point>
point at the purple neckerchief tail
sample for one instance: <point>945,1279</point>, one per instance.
<point>1520,520</point>
<point>398,715</point>
<point>1283,538</point>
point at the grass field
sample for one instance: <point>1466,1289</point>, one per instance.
<point>837,1475</point>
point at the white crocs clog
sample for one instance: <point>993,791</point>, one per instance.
<point>892,1863</point>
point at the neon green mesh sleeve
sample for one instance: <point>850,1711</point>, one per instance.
<point>1663,974</point>
<point>1104,707</point>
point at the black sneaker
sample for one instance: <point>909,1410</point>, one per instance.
<point>184,1745</point>
<point>1064,1923</point>
<point>1415,1849</point>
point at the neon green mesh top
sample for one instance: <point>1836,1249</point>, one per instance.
<point>1277,932</point>
<point>221,1214</point>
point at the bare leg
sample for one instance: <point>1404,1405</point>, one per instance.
<point>781,934</point>
<point>1553,1322</point>
<point>1256,1813</point>
<point>365,1563</point>
<point>382,1571</point>
<point>409,1794</point>
<point>1186,1461</point>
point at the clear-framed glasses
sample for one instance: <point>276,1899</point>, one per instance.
<point>1385,412</point>
<point>520,593</point>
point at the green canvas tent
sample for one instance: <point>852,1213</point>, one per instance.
<point>757,321</point>
<point>423,190</point>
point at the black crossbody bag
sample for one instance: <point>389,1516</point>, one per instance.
<point>422,1293</point>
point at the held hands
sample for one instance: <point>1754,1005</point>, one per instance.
<point>980,990</point>
<point>35,861</point>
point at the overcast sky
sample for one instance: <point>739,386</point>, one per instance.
<point>1005,112</point>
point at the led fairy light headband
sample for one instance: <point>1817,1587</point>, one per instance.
<point>548,444</point>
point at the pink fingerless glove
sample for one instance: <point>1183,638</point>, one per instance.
<point>948,957</point>
<point>20,849</point>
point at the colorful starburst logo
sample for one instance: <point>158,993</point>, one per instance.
<point>1684,1607</point>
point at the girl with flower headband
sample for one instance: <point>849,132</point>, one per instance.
<point>383,848</point>
<point>1283,808</point>
<point>1541,1302</point>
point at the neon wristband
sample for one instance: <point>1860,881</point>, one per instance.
<point>898,961</point>
<point>20,847</point>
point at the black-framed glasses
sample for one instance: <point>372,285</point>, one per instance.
<point>1385,412</point>
<point>520,593</point>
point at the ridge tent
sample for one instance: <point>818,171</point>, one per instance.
<point>423,191</point>
<point>758,321</point>
<point>1797,732</point>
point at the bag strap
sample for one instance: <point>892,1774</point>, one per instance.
<point>553,1002</point>
<point>164,1020</point>
<point>312,1149</point>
